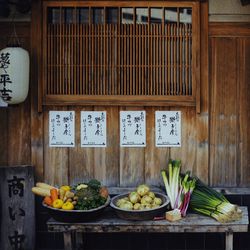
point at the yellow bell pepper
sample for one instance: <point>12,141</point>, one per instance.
<point>68,206</point>
<point>57,203</point>
<point>65,188</point>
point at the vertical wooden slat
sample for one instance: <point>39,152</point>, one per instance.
<point>143,79</point>
<point>106,159</point>
<point>81,53</point>
<point>59,62</point>
<point>87,58</point>
<point>92,75</point>
<point>169,59</point>
<point>55,159</point>
<point>202,121</point>
<point>243,76</point>
<point>131,39</point>
<point>155,157</point>
<point>174,47</point>
<point>49,57</point>
<point>132,162</point>
<point>181,58</point>
<point>223,125</point>
<point>80,159</point>
<point>125,55</point>
<point>186,59</point>
<point>118,53</point>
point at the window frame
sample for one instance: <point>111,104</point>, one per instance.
<point>126,100</point>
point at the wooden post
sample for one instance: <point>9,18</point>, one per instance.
<point>229,240</point>
<point>67,240</point>
<point>17,208</point>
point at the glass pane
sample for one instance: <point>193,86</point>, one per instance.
<point>97,15</point>
<point>68,15</point>
<point>112,15</point>
<point>142,15</point>
<point>83,15</point>
<point>171,15</point>
<point>127,15</point>
<point>156,15</point>
<point>54,15</point>
<point>185,15</point>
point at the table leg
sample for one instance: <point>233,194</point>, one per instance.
<point>67,241</point>
<point>229,240</point>
<point>79,241</point>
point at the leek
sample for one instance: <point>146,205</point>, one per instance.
<point>208,201</point>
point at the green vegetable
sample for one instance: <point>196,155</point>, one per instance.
<point>208,201</point>
<point>178,190</point>
<point>171,182</point>
<point>89,197</point>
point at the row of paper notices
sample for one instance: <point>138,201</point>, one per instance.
<point>132,129</point>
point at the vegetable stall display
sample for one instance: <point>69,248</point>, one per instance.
<point>83,196</point>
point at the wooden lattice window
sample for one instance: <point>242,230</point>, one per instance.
<point>121,52</point>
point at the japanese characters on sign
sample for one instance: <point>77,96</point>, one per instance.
<point>132,128</point>
<point>168,128</point>
<point>5,91</point>
<point>61,128</point>
<point>17,208</point>
<point>16,188</point>
<point>93,129</point>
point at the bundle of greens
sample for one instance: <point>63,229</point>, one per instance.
<point>89,195</point>
<point>208,201</point>
<point>178,188</point>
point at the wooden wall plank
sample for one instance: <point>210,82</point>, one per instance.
<point>202,119</point>
<point>243,173</point>
<point>81,167</point>
<point>132,162</point>
<point>4,136</point>
<point>223,116</point>
<point>187,152</point>
<point>106,160</point>
<point>56,160</point>
<point>35,73</point>
<point>19,134</point>
<point>156,158</point>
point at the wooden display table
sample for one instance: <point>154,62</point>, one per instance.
<point>110,223</point>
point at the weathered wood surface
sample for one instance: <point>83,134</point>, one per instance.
<point>17,206</point>
<point>215,142</point>
<point>110,223</point>
<point>229,112</point>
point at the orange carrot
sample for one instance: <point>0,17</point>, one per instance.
<point>47,200</point>
<point>53,194</point>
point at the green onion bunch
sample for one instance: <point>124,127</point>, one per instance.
<point>207,201</point>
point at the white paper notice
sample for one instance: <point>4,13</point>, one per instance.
<point>62,128</point>
<point>168,128</point>
<point>132,128</point>
<point>93,129</point>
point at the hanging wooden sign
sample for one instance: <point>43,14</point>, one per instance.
<point>17,208</point>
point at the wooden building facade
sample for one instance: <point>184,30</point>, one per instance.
<point>215,137</point>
